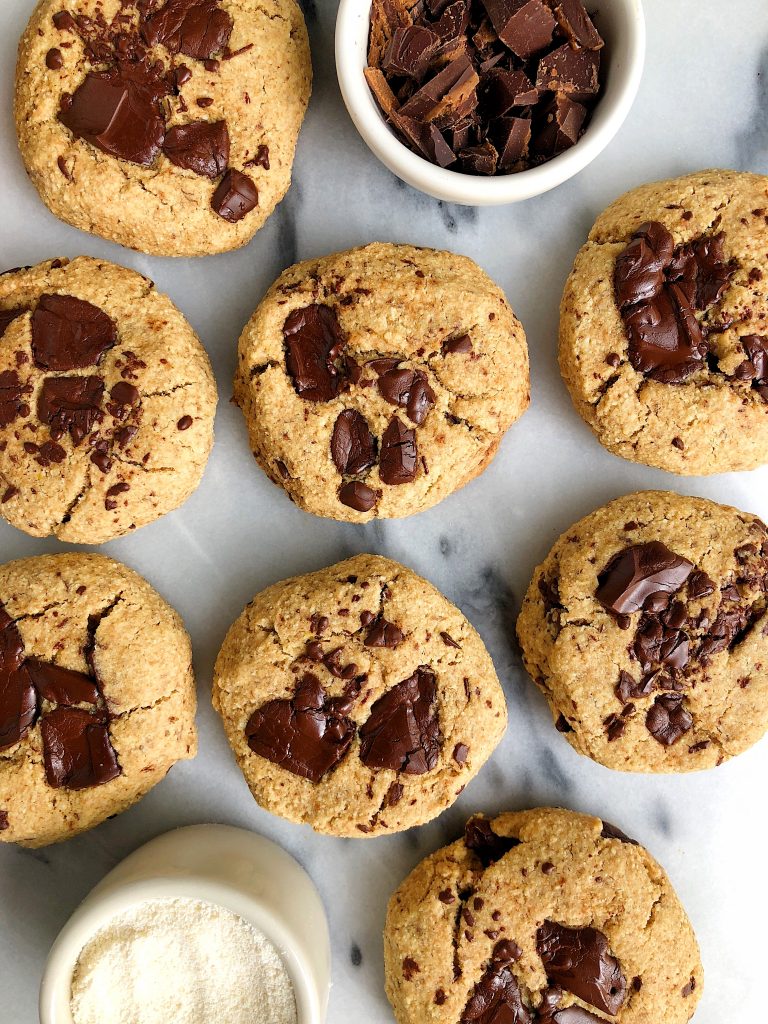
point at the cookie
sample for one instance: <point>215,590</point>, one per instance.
<point>166,125</point>
<point>107,401</point>
<point>663,343</point>
<point>646,630</point>
<point>376,382</point>
<point>97,696</point>
<point>540,917</point>
<point>357,699</point>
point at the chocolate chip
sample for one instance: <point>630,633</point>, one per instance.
<point>200,146</point>
<point>7,316</point>
<point>410,968</point>
<point>402,732</point>
<point>184,423</point>
<point>64,22</point>
<point>13,394</point>
<point>460,753</point>
<point>261,159</point>
<point>610,831</point>
<point>314,343</point>
<point>69,333</point>
<point>358,496</point>
<point>580,960</point>
<point>235,197</point>
<point>393,795</point>
<point>62,685</point>
<point>307,735</point>
<point>353,447</point>
<point>689,988</point>
<point>384,634</point>
<point>9,494</point>
<point>54,60</point>
<point>449,641</point>
<point>198,28</point>
<point>70,404</point>
<point>410,390</point>
<point>487,845</point>
<point>496,998</point>
<point>628,688</point>
<point>399,454</point>
<point>77,751</point>
<point>124,397</point>
<point>457,345</point>
<point>638,573</point>
<point>119,111</point>
<point>446,896</point>
<point>4,821</point>
<point>562,724</point>
<point>667,719</point>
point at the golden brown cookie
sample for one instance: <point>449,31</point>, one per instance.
<point>540,917</point>
<point>645,628</point>
<point>166,125</point>
<point>107,401</point>
<point>357,699</point>
<point>97,696</point>
<point>376,382</point>
<point>663,343</point>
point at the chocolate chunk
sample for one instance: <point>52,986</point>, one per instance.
<point>124,397</point>
<point>667,719</point>
<point>512,140</point>
<point>580,961</point>
<point>665,340</point>
<point>314,343</point>
<point>410,51</point>
<point>574,21</point>
<point>451,89</point>
<point>639,573</point>
<point>525,26</point>
<point>7,316</point>
<point>410,390</point>
<point>119,111</point>
<point>77,751</point>
<point>403,730</point>
<point>610,831</point>
<point>727,629</point>
<point>496,998</point>
<point>489,847</point>
<point>384,634</point>
<point>458,345</point>
<point>427,139</point>
<point>64,21</point>
<point>18,702</point>
<point>460,753</point>
<point>62,685</point>
<point>54,59</point>
<point>701,270</point>
<point>569,71</point>
<point>200,146</point>
<point>550,1011</point>
<point>235,197</point>
<point>70,404</point>
<point>562,122</point>
<point>69,333</point>
<point>699,585</point>
<point>358,496</point>
<point>505,88</point>
<point>658,644</point>
<point>399,454</point>
<point>628,688</point>
<point>482,159</point>
<point>353,447</point>
<point>307,735</point>
<point>13,394</point>
<point>198,28</point>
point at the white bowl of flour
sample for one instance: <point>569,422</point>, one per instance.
<point>204,925</point>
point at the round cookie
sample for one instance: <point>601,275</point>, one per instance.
<point>376,382</point>
<point>540,917</point>
<point>97,696</point>
<point>357,699</point>
<point>663,342</point>
<point>107,401</point>
<point>645,628</point>
<point>169,126</point>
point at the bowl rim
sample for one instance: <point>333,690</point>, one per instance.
<point>352,24</point>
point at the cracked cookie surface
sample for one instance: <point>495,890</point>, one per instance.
<point>184,114</point>
<point>357,699</point>
<point>664,334</point>
<point>540,917</point>
<point>107,401</point>
<point>645,628</point>
<point>375,382</point>
<point>97,695</point>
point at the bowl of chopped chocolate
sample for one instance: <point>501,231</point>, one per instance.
<point>487,102</point>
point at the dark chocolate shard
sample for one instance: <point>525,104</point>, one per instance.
<point>487,845</point>
<point>402,732</point>
<point>525,26</point>
<point>353,447</point>
<point>314,344</point>
<point>399,454</point>
<point>639,573</point>
<point>77,750</point>
<point>18,702</point>
<point>200,146</point>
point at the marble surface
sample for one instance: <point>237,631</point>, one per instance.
<point>702,103</point>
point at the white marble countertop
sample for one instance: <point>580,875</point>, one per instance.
<point>702,103</point>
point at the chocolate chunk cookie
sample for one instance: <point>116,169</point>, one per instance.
<point>357,699</point>
<point>97,696</point>
<point>107,401</point>
<point>377,381</point>
<point>540,917</point>
<point>663,343</point>
<point>166,125</point>
<point>646,629</point>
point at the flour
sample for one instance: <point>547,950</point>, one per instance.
<point>181,961</point>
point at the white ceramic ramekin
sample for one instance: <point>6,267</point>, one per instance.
<point>622,25</point>
<point>239,870</point>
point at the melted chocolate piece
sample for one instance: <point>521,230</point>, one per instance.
<point>18,703</point>
<point>235,197</point>
<point>353,447</point>
<point>496,998</point>
<point>489,847</point>
<point>314,343</point>
<point>399,454</point>
<point>403,730</point>
<point>119,111</point>
<point>550,1011</point>
<point>62,685</point>
<point>358,496</point>
<point>410,390</point>
<point>12,397</point>
<point>580,961</point>
<point>637,574</point>
<point>69,333</point>
<point>7,316</point>
<point>198,28</point>
<point>658,644</point>
<point>71,404</point>
<point>77,751</point>
<point>200,146</point>
<point>307,735</point>
<point>667,719</point>
<point>123,398</point>
<point>639,272</point>
<point>383,634</point>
